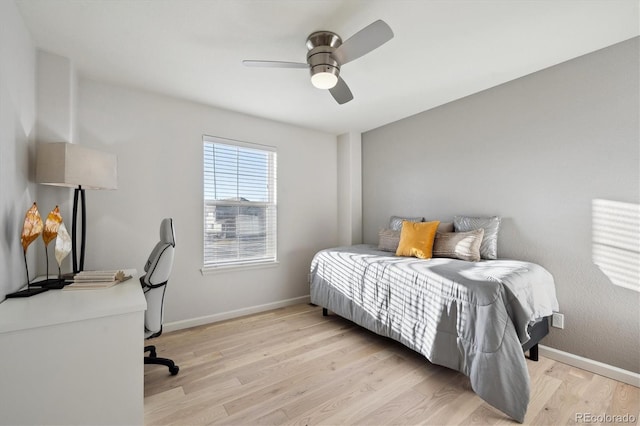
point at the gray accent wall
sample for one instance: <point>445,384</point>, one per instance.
<point>535,151</point>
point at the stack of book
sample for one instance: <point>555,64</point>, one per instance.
<point>87,280</point>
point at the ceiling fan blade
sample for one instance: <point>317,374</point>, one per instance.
<point>364,41</point>
<point>275,64</point>
<point>341,92</point>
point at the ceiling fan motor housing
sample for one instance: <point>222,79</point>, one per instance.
<point>321,45</point>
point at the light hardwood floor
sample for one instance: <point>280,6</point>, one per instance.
<point>294,366</point>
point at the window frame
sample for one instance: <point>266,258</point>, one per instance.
<point>271,218</point>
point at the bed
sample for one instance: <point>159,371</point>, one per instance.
<point>473,317</point>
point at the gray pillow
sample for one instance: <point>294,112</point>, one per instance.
<point>446,227</point>
<point>458,245</point>
<point>491,226</point>
<point>389,240</point>
<point>395,223</point>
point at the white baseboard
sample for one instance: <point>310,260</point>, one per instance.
<point>596,367</point>
<point>208,319</point>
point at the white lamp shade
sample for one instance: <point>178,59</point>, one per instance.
<point>72,165</point>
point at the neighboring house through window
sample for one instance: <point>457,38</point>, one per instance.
<point>240,208</point>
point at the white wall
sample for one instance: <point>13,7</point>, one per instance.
<point>349,189</point>
<point>17,123</point>
<point>158,141</point>
<point>56,117</point>
<point>56,121</point>
<point>535,151</point>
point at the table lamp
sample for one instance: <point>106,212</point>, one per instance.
<point>72,165</point>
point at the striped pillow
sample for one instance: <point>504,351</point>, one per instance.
<point>491,226</point>
<point>395,222</point>
<point>389,240</point>
<point>459,245</point>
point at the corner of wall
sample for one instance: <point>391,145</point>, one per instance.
<point>56,92</point>
<point>17,118</point>
<point>56,121</point>
<point>350,188</point>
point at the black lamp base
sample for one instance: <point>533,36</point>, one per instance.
<point>27,292</point>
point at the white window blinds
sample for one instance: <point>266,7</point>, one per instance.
<point>240,208</point>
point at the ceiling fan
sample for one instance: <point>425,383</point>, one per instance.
<point>327,53</point>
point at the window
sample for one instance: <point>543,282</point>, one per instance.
<point>240,208</point>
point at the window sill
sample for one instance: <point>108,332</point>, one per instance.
<point>210,270</point>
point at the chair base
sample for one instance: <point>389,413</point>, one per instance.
<point>153,359</point>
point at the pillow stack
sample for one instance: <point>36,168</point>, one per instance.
<point>467,238</point>
<point>389,239</point>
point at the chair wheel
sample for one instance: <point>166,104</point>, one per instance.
<point>174,370</point>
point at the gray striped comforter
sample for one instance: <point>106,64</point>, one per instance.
<point>468,316</point>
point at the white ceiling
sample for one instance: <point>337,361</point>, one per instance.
<point>442,49</point>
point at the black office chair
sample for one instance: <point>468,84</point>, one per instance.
<point>154,282</point>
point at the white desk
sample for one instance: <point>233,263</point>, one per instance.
<point>73,357</point>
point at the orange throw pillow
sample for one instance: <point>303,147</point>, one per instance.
<point>416,239</point>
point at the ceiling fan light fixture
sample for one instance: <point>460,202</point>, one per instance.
<point>325,79</point>
<point>323,66</point>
